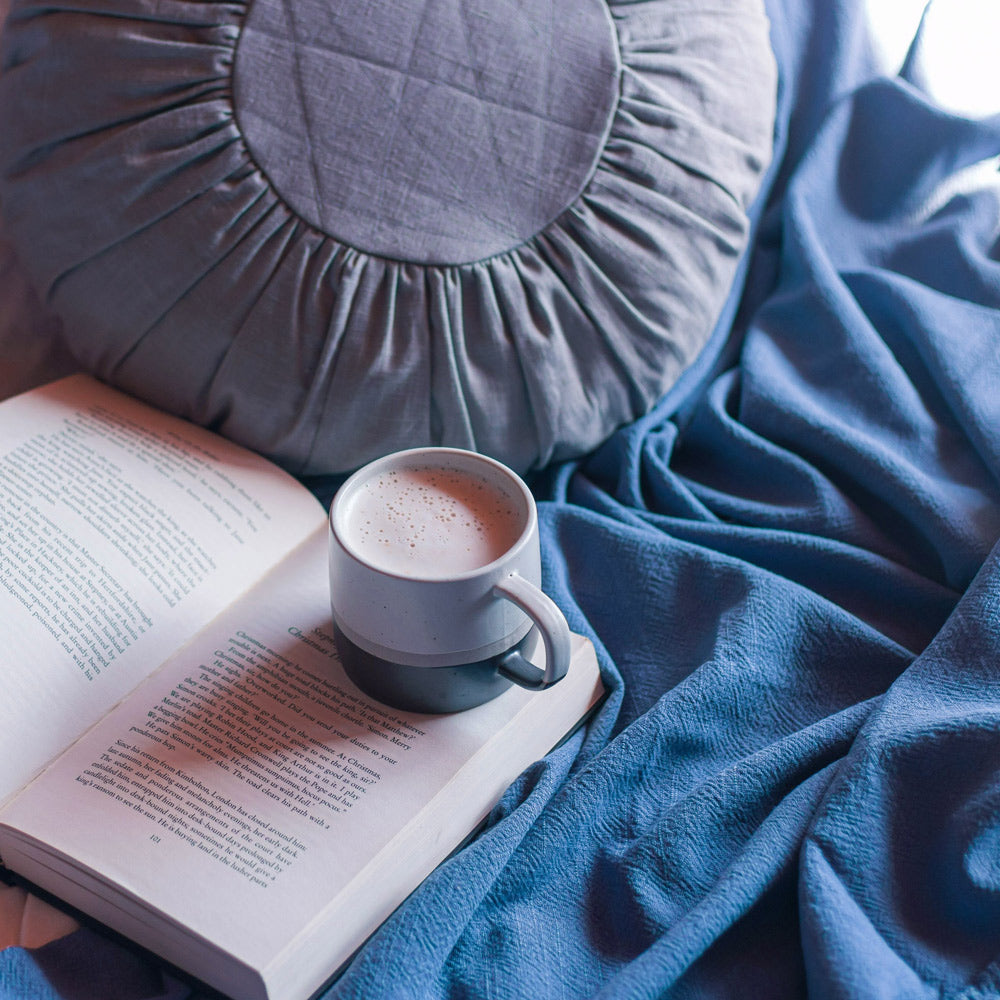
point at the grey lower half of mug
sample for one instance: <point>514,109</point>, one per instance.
<point>431,690</point>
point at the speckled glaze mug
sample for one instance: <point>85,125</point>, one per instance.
<point>435,582</point>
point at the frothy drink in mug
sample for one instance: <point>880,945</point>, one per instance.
<point>435,582</point>
<point>432,522</point>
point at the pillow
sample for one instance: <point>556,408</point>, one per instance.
<point>333,230</point>
<point>31,349</point>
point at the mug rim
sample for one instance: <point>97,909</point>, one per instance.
<point>360,476</point>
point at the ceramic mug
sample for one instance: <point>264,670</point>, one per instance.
<point>435,578</point>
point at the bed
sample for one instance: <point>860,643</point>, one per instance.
<point>789,569</point>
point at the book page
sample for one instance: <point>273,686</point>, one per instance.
<point>123,531</point>
<point>248,783</point>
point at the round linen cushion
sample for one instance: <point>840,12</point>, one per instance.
<point>332,230</point>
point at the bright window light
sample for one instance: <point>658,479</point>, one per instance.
<point>957,59</point>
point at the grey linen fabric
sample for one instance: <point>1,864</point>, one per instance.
<point>31,348</point>
<point>333,230</point>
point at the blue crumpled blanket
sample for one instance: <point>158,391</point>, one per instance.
<point>791,575</point>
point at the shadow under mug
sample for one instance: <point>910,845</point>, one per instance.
<point>424,639</point>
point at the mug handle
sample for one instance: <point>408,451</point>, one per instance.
<point>551,624</point>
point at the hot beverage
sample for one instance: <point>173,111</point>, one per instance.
<point>433,522</point>
<point>435,577</point>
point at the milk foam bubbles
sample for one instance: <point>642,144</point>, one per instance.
<point>433,522</point>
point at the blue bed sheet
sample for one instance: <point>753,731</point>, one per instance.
<point>791,575</point>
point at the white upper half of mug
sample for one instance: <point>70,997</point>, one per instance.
<point>418,540</point>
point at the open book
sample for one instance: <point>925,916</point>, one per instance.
<point>181,754</point>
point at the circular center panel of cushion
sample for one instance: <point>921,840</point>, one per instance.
<point>431,131</point>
